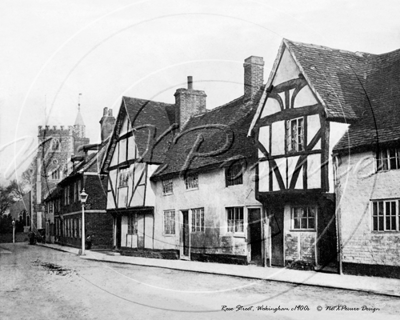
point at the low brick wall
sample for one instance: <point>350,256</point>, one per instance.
<point>219,258</point>
<point>155,254</point>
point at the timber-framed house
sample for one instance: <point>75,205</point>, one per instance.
<point>303,112</point>
<point>141,136</point>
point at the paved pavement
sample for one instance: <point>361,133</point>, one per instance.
<point>376,285</point>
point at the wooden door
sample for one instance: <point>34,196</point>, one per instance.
<point>140,231</point>
<point>276,222</point>
<point>255,236</point>
<point>118,233</point>
<point>185,240</point>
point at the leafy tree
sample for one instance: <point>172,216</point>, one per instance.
<point>9,195</point>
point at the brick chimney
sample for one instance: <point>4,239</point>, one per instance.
<point>106,123</point>
<point>188,103</point>
<point>253,76</point>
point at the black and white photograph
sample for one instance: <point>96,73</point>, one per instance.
<point>198,159</point>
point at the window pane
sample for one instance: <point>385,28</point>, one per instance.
<point>380,226</point>
<point>202,220</point>
<point>297,223</point>
<point>240,213</point>
<point>198,221</point>
<point>172,222</point>
<point>392,158</point>
<point>387,223</point>
<point>374,209</point>
<point>385,160</point>
<point>387,208</point>
<point>311,223</point>
<point>304,223</point>
<point>394,223</point>
<point>301,135</point>
<point>380,208</point>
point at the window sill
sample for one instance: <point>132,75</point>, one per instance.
<point>303,230</point>
<point>235,235</point>
<point>192,189</point>
<point>168,194</point>
<point>235,185</point>
<point>168,235</point>
<point>385,232</point>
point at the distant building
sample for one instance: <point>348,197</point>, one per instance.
<point>20,211</point>
<point>56,145</point>
<point>63,207</point>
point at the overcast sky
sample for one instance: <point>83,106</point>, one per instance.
<point>53,50</point>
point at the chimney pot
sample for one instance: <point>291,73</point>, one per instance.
<point>253,76</point>
<point>188,103</point>
<point>190,82</point>
<point>106,123</point>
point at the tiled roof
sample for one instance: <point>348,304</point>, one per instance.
<point>337,76</point>
<point>379,122</point>
<point>223,132</point>
<point>359,88</point>
<point>150,119</point>
<point>92,163</point>
<point>154,118</point>
<point>94,160</point>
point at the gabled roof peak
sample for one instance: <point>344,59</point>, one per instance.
<point>79,119</point>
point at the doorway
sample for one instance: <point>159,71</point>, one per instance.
<point>118,233</point>
<point>185,239</point>
<point>276,223</point>
<point>254,235</point>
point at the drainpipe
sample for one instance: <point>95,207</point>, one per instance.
<point>338,216</point>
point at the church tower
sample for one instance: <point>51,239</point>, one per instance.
<point>56,146</point>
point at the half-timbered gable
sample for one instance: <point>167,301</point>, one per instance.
<point>306,107</point>
<point>141,136</point>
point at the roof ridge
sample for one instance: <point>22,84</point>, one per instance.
<point>317,46</point>
<point>154,101</point>
<point>225,104</point>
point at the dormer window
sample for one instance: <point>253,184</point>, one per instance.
<point>192,182</point>
<point>168,187</point>
<point>388,159</point>
<point>234,174</point>
<point>295,135</point>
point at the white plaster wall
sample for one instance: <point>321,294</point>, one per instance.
<point>356,184</point>
<point>150,195</point>
<point>337,130</point>
<point>214,197</point>
<point>278,138</point>
<point>287,69</point>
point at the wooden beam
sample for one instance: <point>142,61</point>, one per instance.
<point>290,114</point>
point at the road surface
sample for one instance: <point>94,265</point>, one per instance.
<point>41,283</point>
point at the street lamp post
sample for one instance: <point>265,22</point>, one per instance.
<point>84,197</point>
<point>13,225</point>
